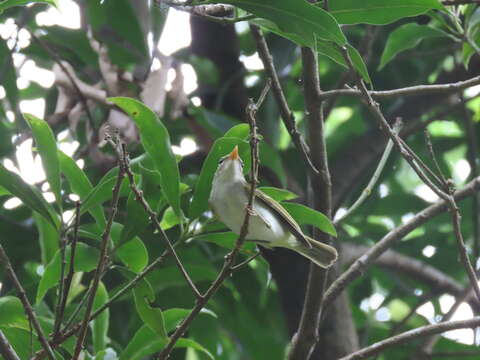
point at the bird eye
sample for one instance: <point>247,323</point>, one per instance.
<point>241,161</point>
<point>222,160</point>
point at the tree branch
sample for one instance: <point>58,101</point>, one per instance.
<point>407,91</point>
<point>304,341</point>
<point>380,346</point>
<point>362,263</point>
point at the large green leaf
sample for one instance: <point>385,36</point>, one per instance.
<point>29,194</point>
<point>301,18</point>
<point>5,4</point>
<point>146,342</point>
<point>80,184</point>
<point>47,148</point>
<point>86,259</point>
<point>406,37</point>
<point>13,314</point>
<point>308,216</point>
<point>156,141</point>
<point>100,323</point>
<point>379,12</point>
<point>220,148</point>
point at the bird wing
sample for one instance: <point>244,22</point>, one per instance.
<point>281,213</point>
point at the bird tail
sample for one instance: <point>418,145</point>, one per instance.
<point>321,254</point>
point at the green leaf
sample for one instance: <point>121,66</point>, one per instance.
<point>86,259</point>
<point>304,215</point>
<point>80,184</point>
<point>156,141</point>
<point>29,194</point>
<point>13,314</point>
<point>406,37</point>
<point>145,342</point>
<point>4,5</point>
<point>152,317</point>
<point>169,219</point>
<point>173,317</point>
<point>47,148</point>
<point>227,240</point>
<point>278,194</point>
<point>49,238</point>
<point>379,12</point>
<point>306,21</point>
<point>220,148</point>
<point>132,253</point>
<point>100,323</point>
<point>325,48</point>
<point>129,45</point>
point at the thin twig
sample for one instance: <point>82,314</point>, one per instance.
<point>363,262</point>
<point>286,114</point>
<point>26,303</point>
<point>63,263</point>
<point>230,258</point>
<point>68,280</point>
<point>153,218</point>
<point>376,175</point>
<point>6,350</point>
<point>246,262</point>
<point>102,261</point>
<point>411,335</point>
<point>407,91</point>
<point>304,341</point>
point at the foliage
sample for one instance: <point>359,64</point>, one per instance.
<point>53,237</point>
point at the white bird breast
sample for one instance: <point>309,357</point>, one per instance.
<point>229,202</point>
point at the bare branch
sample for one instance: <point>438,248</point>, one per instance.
<point>380,346</point>
<point>407,91</point>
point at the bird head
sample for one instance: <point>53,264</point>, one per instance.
<point>230,167</point>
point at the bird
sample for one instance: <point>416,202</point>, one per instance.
<point>270,224</point>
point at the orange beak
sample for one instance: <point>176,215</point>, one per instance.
<point>234,154</point>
